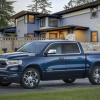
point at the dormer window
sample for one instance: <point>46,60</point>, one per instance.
<point>94,12</point>
<point>53,22</point>
<point>31,18</point>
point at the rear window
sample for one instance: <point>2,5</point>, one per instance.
<point>70,48</point>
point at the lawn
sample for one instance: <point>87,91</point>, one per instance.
<point>69,94</point>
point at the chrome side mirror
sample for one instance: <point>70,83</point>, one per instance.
<point>51,51</point>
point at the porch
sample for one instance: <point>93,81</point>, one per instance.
<point>79,32</point>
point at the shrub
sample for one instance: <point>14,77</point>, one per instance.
<point>1,52</point>
<point>85,50</point>
<point>11,51</point>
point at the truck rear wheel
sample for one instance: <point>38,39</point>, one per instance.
<point>94,77</point>
<point>30,78</point>
<point>4,83</point>
<point>69,80</point>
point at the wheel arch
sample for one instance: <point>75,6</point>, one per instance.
<point>37,67</point>
<point>93,65</point>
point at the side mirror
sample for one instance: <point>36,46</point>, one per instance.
<point>51,51</point>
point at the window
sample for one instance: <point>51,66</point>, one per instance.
<point>56,46</point>
<point>53,21</point>
<point>31,18</point>
<point>94,37</point>
<point>42,22</point>
<point>43,35</point>
<point>25,18</point>
<point>70,48</point>
<point>16,22</point>
<point>25,35</point>
<point>30,35</point>
<point>94,12</point>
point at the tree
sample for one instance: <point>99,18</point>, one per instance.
<point>40,6</point>
<point>74,3</point>
<point>6,10</point>
<point>35,6</point>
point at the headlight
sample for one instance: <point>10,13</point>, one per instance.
<point>14,62</point>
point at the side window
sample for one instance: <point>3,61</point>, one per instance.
<point>56,46</point>
<point>70,48</point>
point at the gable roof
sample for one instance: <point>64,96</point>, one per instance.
<point>88,5</point>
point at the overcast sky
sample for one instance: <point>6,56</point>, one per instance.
<point>22,5</point>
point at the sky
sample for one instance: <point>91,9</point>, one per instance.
<point>57,5</point>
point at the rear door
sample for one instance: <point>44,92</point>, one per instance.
<point>74,59</point>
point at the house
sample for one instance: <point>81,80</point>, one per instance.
<point>80,21</point>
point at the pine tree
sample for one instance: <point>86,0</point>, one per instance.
<point>40,6</point>
<point>35,6</point>
<point>74,3</point>
<point>6,10</point>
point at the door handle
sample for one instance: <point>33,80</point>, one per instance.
<point>61,58</point>
<point>79,57</point>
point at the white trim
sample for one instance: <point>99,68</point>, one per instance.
<point>76,13</point>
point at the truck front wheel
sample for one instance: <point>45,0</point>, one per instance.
<point>69,80</point>
<point>30,78</point>
<point>94,77</point>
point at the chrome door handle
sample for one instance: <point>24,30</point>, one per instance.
<point>61,58</point>
<point>79,57</point>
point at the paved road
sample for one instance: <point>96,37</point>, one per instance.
<point>47,85</point>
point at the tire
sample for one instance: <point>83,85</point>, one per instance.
<point>4,84</point>
<point>69,80</point>
<point>94,77</point>
<point>30,78</point>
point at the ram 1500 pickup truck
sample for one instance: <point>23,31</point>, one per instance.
<point>49,60</point>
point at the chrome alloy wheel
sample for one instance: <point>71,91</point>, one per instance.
<point>30,78</point>
<point>97,75</point>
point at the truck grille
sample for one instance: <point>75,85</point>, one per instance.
<point>3,64</point>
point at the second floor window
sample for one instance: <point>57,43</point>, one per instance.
<point>42,22</point>
<point>25,18</point>
<point>53,21</point>
<point>31,18</point>
<point>94,12</point>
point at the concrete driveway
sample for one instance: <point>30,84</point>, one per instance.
<point>47,85</point>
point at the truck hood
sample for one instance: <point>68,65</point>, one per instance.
<point>16,54</point>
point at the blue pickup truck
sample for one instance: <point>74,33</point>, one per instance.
<point>49,60</point>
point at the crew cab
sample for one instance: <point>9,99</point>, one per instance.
<point>49,60</point>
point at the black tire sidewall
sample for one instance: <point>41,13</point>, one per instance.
<point>22,81</point>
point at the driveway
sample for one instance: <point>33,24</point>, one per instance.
<point>47,85</point>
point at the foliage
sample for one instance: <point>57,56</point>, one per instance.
<point>98,30</point>
<point>92,93</point>
<point>1,52</point>
<point>74,3</point>
<point>85,50</point>
<point>40,6</point>
<point>9,35</point>
<point>11,51</point>
<point>6,10</point>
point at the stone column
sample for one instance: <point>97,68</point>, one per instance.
<point>70,37</point>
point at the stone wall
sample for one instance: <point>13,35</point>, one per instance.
<point>91,46</point>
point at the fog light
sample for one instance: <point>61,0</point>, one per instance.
<point>13,74</point>
<point>5,78</point>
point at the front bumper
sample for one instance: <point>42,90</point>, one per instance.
<point>8,76</point>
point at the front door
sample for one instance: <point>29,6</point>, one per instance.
<point>53,35</point>
<point>75,60</point>
<point>54,64</point>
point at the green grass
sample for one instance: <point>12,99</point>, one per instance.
<point>69,94</point>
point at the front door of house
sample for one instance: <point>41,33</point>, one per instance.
<point>53,35</point>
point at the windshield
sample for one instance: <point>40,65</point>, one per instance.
<point>33,47</point>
